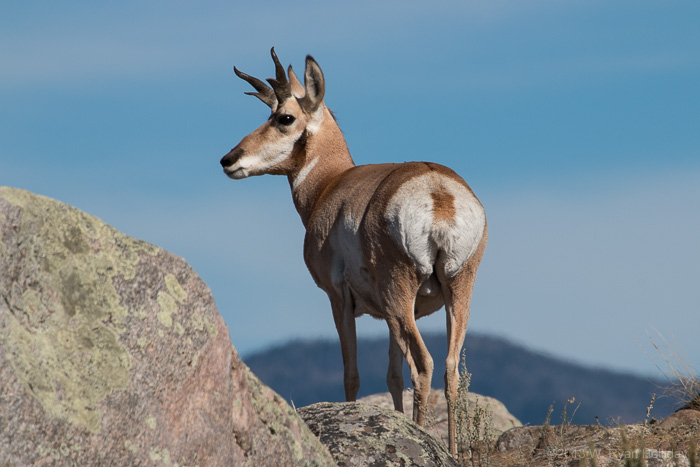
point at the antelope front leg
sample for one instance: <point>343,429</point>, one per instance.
<point>394,377</point>
<point>345,325</point>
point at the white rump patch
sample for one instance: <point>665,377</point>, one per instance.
<point>425,236</point>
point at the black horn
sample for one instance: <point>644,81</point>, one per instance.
<point>279,84</point>
<point>265,93</point>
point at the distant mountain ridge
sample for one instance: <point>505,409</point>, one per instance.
<point>527,382</point>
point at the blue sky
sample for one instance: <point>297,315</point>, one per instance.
<point>577,123</point>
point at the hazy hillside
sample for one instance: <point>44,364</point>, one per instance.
<point>528,382</point>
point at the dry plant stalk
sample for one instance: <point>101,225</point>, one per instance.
<point>683,379</point>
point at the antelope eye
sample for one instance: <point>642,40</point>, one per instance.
<point>285,120</point>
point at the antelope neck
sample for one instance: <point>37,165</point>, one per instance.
<point>322,158</point>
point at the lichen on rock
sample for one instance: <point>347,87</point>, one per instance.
<point>112,348</point>
<point>65,318</point>
<point>359,434</point>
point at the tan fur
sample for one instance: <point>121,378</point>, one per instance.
<point>443,206</point>
<point>363,254</point>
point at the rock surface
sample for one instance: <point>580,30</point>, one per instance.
<point>360,434</point>
<point>674,441</point>
<point>436,424</point>
<point>112,348</point>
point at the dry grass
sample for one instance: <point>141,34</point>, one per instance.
<point>650,443</point>
<point>475,438</point>
<point>682,377</point>
<point>672,442</point>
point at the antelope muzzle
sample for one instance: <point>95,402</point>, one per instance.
<point>230,163</point>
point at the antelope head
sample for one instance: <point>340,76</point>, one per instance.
<point>297,111</point>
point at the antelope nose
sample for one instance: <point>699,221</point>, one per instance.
<point>231,158</point>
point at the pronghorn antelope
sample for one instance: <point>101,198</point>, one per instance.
<point>395,241</point>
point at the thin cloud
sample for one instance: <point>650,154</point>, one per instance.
<point>567,70</point>
<point>78,43</point>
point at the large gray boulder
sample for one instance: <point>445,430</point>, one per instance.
<point>360,434</point>
<point>500,419</point>
<point>112,352</point>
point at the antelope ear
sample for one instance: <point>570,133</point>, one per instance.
<point>297,88</point>
<point>315,86</point>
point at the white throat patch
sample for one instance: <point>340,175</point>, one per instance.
<point>303,173</point>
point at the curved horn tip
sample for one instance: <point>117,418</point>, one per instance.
<point>274,57</point>
<point>280,74</point>
<point>242,75</point>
